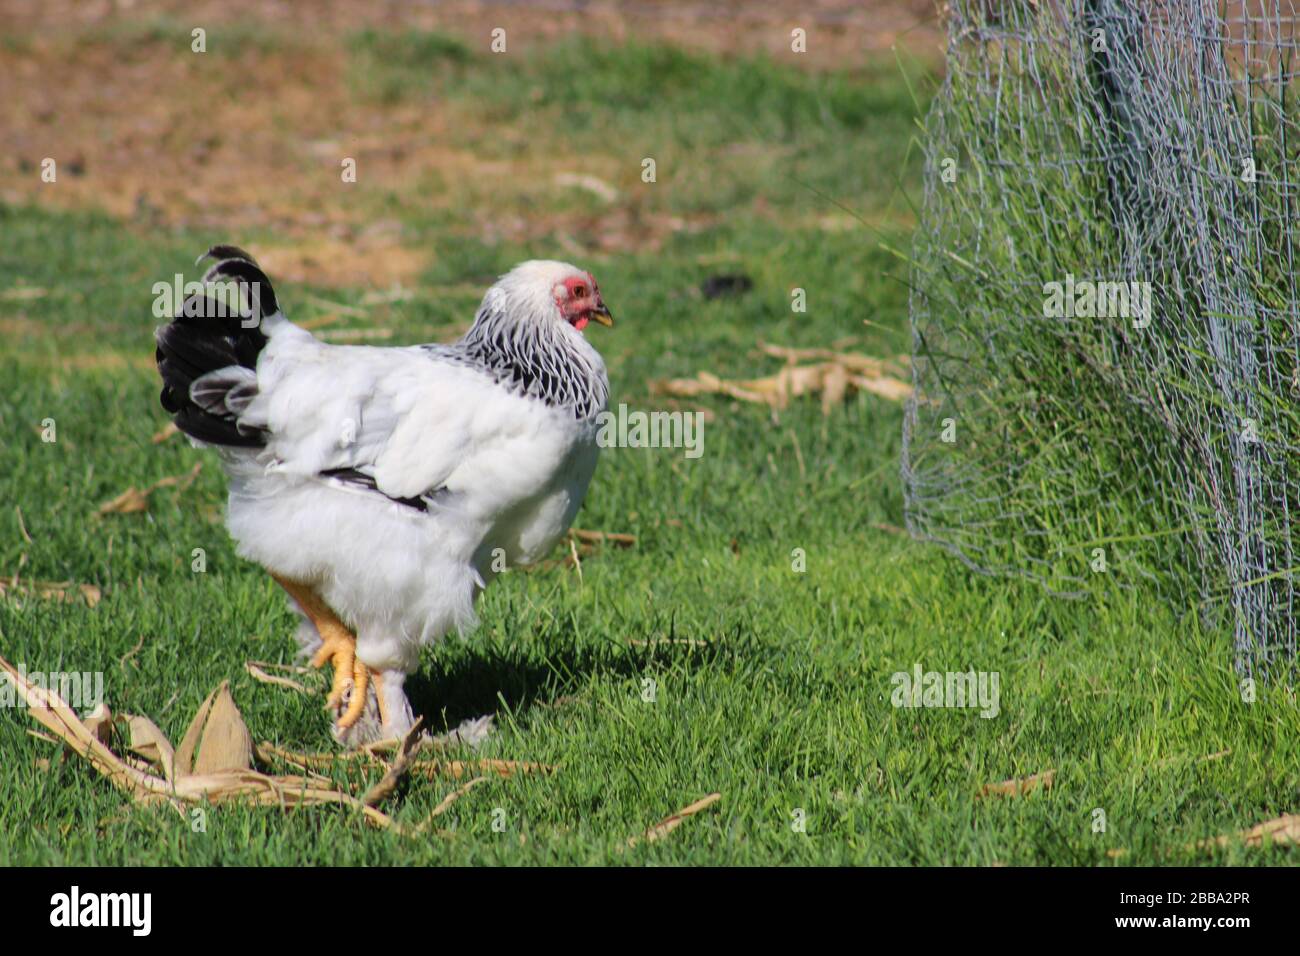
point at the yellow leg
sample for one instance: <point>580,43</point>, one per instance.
<point>338,648</point>
<point>377,678</point>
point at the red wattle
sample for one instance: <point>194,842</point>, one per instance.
<point>581,323</point>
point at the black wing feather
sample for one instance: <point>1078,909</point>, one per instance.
<point>204,337</point>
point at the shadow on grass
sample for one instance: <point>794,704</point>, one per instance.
<point>476,681</point>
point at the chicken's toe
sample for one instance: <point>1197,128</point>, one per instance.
<point>339,650</point>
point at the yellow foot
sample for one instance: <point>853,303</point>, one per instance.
<point>338,648</point>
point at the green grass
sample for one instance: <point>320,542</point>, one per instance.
<point>1080,430</point>
<point>722,132</point>
<point>785,708</point>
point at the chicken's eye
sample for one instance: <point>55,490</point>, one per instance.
<point>579,291</point>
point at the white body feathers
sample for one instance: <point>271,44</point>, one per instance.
<point>396,482</point>
<point>510,474</point>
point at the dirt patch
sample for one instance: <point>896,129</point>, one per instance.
<point>382,264</point>
<point>255,139</point>
<point>839,31</point>
<point>218,154</point>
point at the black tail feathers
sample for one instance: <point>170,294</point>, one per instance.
<point>217,330</point>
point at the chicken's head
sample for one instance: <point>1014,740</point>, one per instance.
<point>549,293</point>
<point>578,299</point>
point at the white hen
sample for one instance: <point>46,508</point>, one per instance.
<point>385,487</point>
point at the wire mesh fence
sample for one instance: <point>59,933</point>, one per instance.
<point>1105,317</point>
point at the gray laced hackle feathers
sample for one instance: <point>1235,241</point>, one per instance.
<point>536,358</point>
